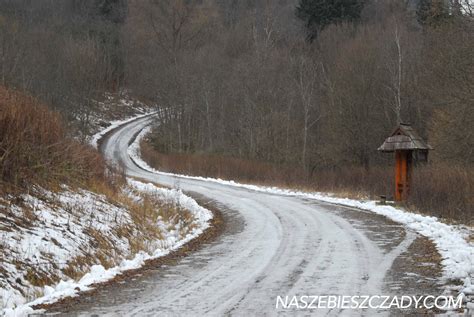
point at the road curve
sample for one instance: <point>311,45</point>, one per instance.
<point>276,246</point>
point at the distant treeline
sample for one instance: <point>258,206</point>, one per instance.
<point>273,81</point>
<point>286,85</point>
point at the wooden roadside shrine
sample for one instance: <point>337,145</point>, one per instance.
<point>409,149</point>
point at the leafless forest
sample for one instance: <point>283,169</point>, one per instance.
<point>247,93</point>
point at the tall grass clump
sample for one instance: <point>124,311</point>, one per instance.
<point>35,149</point>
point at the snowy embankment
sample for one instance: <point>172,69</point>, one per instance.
<point>452,241</point>
<point>63,234</point>
<point>61,243</point>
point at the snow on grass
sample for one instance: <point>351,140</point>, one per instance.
<point>46,231</point>
<point>452,241</point>
<point>201,215</point>
<point>59,232</point>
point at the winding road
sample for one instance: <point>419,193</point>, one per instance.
<point>272,246</point>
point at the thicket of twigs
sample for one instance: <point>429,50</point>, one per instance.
<point>34,148</point>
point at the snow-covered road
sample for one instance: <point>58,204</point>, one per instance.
<point>273,246</point>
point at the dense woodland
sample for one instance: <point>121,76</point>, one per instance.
<point>309,87</point>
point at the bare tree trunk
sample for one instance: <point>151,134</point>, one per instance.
<point>305,139</point>
<point>179,137</point>
<point>208,119</point>
<point>399,76</point>
<point>288,125</point>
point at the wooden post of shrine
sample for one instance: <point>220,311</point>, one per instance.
<point>409,148</point>
<point>403,168</point>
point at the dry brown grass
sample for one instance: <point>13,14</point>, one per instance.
<point>34,147</point>
<point>77,266</point>
<point>145,215</point>
<point>39,278</point>
<point>445,191</point>
<point>440,190</point>
<point>222,167</point>
<point>373,182</point>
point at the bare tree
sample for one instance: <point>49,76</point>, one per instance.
<point>307,82</point>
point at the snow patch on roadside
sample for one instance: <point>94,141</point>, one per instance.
<point>451,240</point>
<point>135,154</point>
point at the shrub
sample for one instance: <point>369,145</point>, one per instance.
<point>34,148</point>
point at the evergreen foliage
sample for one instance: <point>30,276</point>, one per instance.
<point>318,14</point>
